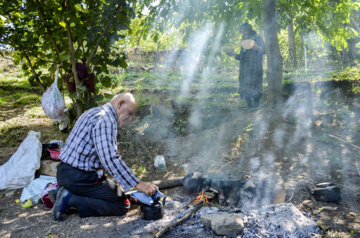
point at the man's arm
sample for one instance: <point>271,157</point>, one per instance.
<point>104,136</point>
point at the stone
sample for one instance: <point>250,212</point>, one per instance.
<point>223,223</point>
<point>10,193</point>
<point>48,167</point>
<point>308,204</point>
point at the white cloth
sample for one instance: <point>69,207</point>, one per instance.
<point>20,169</point>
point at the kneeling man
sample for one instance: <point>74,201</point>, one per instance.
<point>91,146</point>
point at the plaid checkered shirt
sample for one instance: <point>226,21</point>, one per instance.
<point>92,144</point>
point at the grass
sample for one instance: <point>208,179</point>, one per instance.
<point>214,94</point>
<point>11,135</point>
<point>20,109</point>
<point>349,73</point>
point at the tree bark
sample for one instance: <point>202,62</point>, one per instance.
<point>274,59</point>
<point>156,56</point>
<point>292,49</point>
<point>78,84</point>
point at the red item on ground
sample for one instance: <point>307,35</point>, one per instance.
<point>54,153</point>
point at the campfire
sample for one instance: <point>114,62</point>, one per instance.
<point>191,208</point>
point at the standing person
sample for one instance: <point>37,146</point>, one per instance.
<point>251,65</point>
<point>91,146</point>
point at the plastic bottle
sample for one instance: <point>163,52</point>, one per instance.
<point>159,162</point>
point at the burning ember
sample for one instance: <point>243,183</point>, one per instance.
<point>201,197</point>
<point>206,196</point>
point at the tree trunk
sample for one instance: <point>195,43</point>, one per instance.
<point>274,62</point>
<point>292,49</point>
<point>156,56</point>
<point>78,84</point>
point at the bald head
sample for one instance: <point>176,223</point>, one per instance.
<point>125,106</point>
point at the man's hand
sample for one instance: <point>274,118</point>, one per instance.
<point>147,188</point>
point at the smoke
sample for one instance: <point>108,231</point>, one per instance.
<point>282,147</point>
<point>193,58</point>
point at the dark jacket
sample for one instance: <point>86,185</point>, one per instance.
<point>251,67</point>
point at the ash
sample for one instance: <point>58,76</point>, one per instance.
<point>193,226</point>
<point>280,220</point>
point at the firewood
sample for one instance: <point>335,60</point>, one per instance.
<point>168,183</point>
<point>176,222</point>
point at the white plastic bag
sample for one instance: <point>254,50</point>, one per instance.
<point>19,171</point>
<point>34,190</point>
<point>52,101</point>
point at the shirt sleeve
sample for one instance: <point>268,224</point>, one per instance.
<point>104,136</point>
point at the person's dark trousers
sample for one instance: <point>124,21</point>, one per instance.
<point>90,195</point>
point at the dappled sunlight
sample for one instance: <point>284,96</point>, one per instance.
<point>86,227</point>
<point>184,63</point>
<point>108,225</point>
<point>21,120</point>
<point>7,221</point>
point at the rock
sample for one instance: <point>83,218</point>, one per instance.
<point>10,193</point>
<point>223,223</point>
<point>48,167</point>
<point>308,204</point>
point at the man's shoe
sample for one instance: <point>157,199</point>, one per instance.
<point>61,204</point>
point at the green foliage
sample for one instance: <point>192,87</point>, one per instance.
<point>46,33</point>
<point>180,127</point>
<point>140,170</point>
<point>350,73</point>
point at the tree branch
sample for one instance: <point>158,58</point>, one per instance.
<point>101,36</point>
<point>78,84</point>
<point>48,31</point>
<point>34,72</point>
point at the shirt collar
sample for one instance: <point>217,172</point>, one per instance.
<point>113,112</point>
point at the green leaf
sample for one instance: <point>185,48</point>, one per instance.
<point>123,64</point>
<point>17,59</point>
<point>63,24</point>
<point>106,81</point>
<point>99,97</point>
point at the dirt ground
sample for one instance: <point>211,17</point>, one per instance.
<point>299,145</point>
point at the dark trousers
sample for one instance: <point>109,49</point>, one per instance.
<point>90,195</point>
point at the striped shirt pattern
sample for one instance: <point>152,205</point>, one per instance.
<point>92,144</point>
